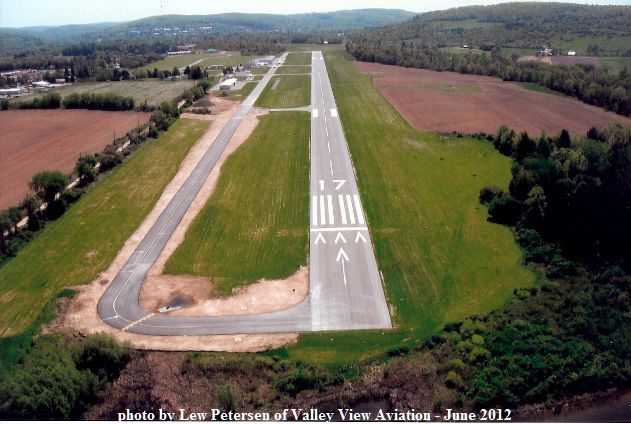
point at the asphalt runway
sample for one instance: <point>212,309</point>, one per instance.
<point>345,287</point>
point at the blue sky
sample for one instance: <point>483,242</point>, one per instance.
<point>19,13</point>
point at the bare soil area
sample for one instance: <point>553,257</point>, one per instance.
<point>448,101</point>
<point>35,140</point>
<point>563,60</point>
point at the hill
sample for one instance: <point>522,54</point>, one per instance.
<point>591,30</point>
<point>218,23</point>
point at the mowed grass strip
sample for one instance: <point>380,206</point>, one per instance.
<point>440,258</point>
<point>298,58</point>
<point>293,70</point>
<point>256,223</point>
<point>85,240</point>
<point>291,91</point>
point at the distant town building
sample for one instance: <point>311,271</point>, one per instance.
<point>571,53</point>
<point>212,50</point>
<point>179,52</point>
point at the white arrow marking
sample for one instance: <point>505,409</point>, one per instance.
<point>339,183</point>
<point>359,236</point>
<point>320,237</point>
<point>338,237</point>
<point>344,271</point>
<point>341,254</point>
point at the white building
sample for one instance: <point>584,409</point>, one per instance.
<point>571,53</point>
<point>228,84</point>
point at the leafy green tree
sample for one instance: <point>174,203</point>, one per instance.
<point>31,204</point>
<point>47,184</point>
<point>85,168</point>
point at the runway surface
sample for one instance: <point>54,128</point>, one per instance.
<point>345,288</point>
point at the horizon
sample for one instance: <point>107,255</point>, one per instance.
<point>40,13</point>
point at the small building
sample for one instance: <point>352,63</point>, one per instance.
<point>212,50</point>
<point>571,53</point>
<point>40,84</point>
<point>60,80</point>
<point>179,52</point>
<point>228,84</point>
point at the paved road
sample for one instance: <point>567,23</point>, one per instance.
<point>340,298</point>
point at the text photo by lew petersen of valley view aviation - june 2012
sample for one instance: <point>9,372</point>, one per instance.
<point>403,212</point>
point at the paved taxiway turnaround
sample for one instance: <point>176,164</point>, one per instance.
<point>345,288</point>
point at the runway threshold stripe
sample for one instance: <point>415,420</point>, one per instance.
<point>349,203</point>
<point>329,202</point>
<point>340,198</point>
<point>358,209</point>
<point>314,210</point>
<point>322,211</point>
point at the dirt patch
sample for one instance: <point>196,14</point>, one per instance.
<point>35,140</point>
<point>481,103</point>
<point>275,84</point>
<point>81,314</point>
<point>563,60</point>
<point>263,296</point>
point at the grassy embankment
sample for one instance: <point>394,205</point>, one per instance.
<point>256,223</point>
<point>440,258</point>
<point>298,59</point>
<point>85,240</point>
<point>152,91</point>
<point>291,91</point>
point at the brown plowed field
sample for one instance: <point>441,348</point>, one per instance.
<point>448,101</point>
<point>37,140</point>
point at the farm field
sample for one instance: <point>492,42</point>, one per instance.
<point>35,140</point>
<point>293,70</point>
<point>298,59</point>
<point>447,101</point>
<point>153,92</point>
<point>441,259</point>
<point>291,91</point>
<point>256,224</point>
<point>83,242</point>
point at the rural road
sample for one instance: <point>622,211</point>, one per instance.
<point>345,288</point>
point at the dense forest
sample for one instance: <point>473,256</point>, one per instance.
<point>515,25</point>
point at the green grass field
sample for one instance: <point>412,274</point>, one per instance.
<point>180,61</point>
<point>153,91</point>
<point>293,70</point>
<point>616,64</point>
<point>313,47</point>
<point>85,240</point>
<point>256,223</point>
<point>440,258</point>
<point>291,91</point>
<point>298,59</point>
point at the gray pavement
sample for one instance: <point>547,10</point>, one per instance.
<point>345,287</point>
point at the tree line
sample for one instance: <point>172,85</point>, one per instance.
<point>592,85</point>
